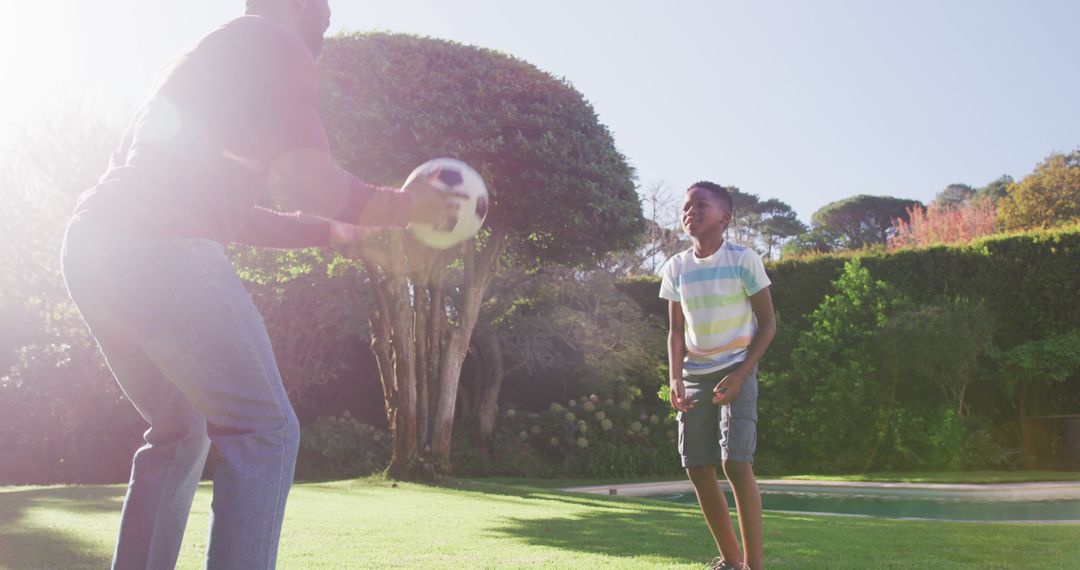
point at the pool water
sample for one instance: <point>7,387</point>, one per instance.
<point>951,509</point>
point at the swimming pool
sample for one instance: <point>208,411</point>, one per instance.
<point>902,507</point>
<point>1050,503</point>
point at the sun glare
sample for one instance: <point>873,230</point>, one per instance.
<point>53,52</point>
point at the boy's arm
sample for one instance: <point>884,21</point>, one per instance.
<point>761,303</point>
<point>676,352</point>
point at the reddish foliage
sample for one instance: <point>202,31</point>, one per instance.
<point>936,225</point>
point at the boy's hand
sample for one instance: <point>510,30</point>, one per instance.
<point>728,389</point>
<point>679,401</point>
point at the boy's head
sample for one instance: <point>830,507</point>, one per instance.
<point>706,209</point>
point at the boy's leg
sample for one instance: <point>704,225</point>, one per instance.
<point>738,442</point>
<point>699,447</point>
<point>715,508</point>
<point>748,504</point>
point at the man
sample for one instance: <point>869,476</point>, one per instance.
<point>144,263</point>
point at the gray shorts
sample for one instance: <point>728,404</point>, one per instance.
<point>708,433</point>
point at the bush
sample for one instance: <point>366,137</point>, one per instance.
<point>877,382</point>
<point>598,437</point>
<point>614,461</point>
<point>835,408</point>
<point>342,446</point>
<point>509,457</point>
<point>64,418</point>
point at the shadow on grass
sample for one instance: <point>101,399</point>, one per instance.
<point>671,533</point>
<point>613,526</point>
<point>27,545</point>
<point>671,536</point>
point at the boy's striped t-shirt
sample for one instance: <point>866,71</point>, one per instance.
<point>715,295</point>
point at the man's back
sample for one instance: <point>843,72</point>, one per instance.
<point>196,156</point>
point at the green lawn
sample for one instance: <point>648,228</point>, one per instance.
<point>951,477</point>
<point>371,524</point>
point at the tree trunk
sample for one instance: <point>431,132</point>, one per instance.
<point>490,383</point>
<point>465,402</point>
<point>405,372</point>
<point>479,269</point>
<point>398,384</point>
<point>436,327</point>
<point>419,366</point>
<point>1026,437</point>
<point>423,371</point>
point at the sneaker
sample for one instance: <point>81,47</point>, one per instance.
<point>718,563</point>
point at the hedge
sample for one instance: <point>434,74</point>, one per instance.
<point>1030,282</point>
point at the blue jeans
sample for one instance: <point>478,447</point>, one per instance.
<point>187,345</point>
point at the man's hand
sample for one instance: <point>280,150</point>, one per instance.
<point>343,234</point>
<point>679,401</point>
<point>432,205</point>
<point>728,389</point>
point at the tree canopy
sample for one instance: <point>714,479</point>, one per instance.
<point>1047,197</point>
<point>765,225</point>
<point>863,220</point>
<point>954,195</point>
<point>557,181</point>
<point>996,189</point>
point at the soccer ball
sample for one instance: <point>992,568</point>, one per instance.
<point>453,175</point>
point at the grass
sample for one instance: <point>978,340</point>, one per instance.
<point>371,523</point>
<point>974,477</point>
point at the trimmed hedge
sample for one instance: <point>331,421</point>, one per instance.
<point>1030,282</point>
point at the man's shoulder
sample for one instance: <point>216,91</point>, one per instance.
<point>257,34</point>
<point>255,26</point>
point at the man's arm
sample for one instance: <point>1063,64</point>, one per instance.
<point>286,230</point>
<point>307,174</point>
<point>761,303</point>
<point>676,353</point>
<point>288,141</point>
<point>271,228</point>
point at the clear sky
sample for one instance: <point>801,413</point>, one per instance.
<point>808,101</point>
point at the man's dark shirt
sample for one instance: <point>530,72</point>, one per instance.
<point>238,110</point>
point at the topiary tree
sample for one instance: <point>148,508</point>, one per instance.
<point>561,192</point>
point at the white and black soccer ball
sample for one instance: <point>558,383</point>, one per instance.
<point>453,175</point>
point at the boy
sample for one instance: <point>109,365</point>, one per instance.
<point>722,321</point>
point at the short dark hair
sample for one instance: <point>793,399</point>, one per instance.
<point>717,190</point>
